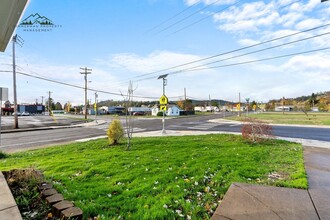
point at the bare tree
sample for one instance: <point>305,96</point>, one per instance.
<point>128,100</point>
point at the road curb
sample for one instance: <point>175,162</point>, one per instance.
<point>8,206</point>
<point>53,127</point>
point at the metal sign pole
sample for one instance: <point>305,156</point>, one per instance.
<point>3,96</point>
<point>0,118</point>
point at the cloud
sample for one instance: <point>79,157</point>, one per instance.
<point>308,23</point>
<point>256,16</point>
<point>153,62</point>
<point>208,2</point>
<point>313,67</point>
<point>247,42</point>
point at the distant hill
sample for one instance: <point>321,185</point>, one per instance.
<point>152,103</point>
<point>320,101</point>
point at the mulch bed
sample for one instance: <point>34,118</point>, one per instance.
<point>24,187</point>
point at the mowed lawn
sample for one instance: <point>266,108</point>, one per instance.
<point>161,177</point>
<point>313,118</point>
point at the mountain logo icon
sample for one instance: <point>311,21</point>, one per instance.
<point>36,18</point>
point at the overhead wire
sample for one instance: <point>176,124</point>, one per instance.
<point>202,19</point>
<point>185,18</point>
<point>75,86</point>
<point>261,50</point>
<point>254,61</point>
<point>228,52</point>
<point>174,16</point>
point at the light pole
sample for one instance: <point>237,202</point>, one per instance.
<point>165,100</point>
<point>247,107</point>
<point>95,107</point>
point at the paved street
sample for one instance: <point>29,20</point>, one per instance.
<point>14,141</point>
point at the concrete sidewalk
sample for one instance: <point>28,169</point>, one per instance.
<point>8,207</point>
<point>247,201</point>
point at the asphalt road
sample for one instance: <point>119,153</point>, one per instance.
<point>17,141</point>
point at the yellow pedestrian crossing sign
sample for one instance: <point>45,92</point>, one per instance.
<point>163,100</point>
<point>163,107</point>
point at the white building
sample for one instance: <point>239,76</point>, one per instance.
<point>139,109</point>
<point>172,110</point>
<point>199,108</point>
<point>284,108</point>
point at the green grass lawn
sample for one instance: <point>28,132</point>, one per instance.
<point>161,177</point>
<point>314,118</point>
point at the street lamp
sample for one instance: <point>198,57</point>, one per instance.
<point>165,100</point>
<point>247,107</point>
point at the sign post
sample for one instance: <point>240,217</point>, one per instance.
<point>163,100</point>
<point>3,96</point>
<point>95,107</point>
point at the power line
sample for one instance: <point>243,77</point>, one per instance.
<point>76,86</point>
<point>174,16</point>
<point>185,18</point>
<point>229,52</point>
<point>189,25</point>
<point>254,61</point>
<point>202,19</point>
<point>261,50</point>
<point>241,63</point>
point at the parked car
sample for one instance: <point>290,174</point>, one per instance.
<point>18,113</point>
<point>25,114</point>
<point>138,113</point>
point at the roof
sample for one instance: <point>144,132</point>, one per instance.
<point>10,13</point>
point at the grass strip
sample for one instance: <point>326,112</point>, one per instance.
<point>161,177</point>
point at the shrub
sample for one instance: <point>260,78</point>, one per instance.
<point>256,131</point>
<point>160,113</point>
<point>3,155</point>
<point>115,132</point>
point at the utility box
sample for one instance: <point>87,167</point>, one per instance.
<point>3,94</point>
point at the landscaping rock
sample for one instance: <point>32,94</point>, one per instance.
<point>48,192</point>
<point>45,186</point>
<point>60,206</point>
<point>71,213</point>
<point>54,198</point>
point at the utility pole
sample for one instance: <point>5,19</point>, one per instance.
<point>85,72</point>
<point>239,104</point>
<point>42,100</point>
<point>14,83</point>
<point>16,40</point>
<point>36,101</point>
<point>283,105</point>
<point>95,106</point>
<point>185,100</point>
<point>49,105</point>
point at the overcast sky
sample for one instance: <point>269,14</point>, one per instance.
<point>138,40</point>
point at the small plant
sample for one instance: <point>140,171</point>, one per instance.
<point>256,131</point>
<point>3,155</point>
<point>160,113</point>
<point>23,184</point>
<point>115,132</point>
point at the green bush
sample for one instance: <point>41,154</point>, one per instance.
<point>115,132</point>
<point>160,113</point>
<point>3,155</point>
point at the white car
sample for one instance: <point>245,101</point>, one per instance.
<point>18,113</point>
<point>25,114</point>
